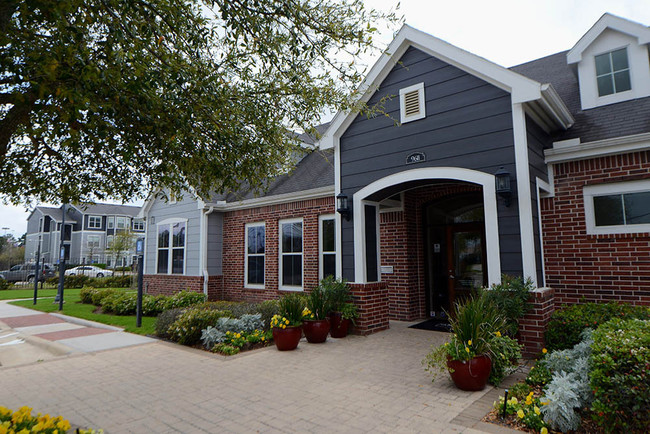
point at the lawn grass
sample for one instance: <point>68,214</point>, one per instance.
<point>74,307</point>
<point>28,292</point>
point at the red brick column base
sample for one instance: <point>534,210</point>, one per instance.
<point>533,325</point>
<point>170,284</point>
<point>372,303</point>
<point>215,288</point>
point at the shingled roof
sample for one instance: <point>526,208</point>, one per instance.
<point>109,209</point>
<point>613,120</point>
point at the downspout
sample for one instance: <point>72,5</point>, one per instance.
<point>204,245</point>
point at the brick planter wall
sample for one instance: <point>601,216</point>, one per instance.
<point>533,325</point>
<point>594,267</point>
<point>234,242</point>
<point>372,303</point>
<point>169,284</point>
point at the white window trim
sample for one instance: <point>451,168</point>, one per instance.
<point>99,241</point>
<point>606,189</point>
<point>420,88</point>
<point>281,285</point>
<point>321,218</point>
<point>134,221</point>
<point>169,222</point>
<point>90,218</point>
<point>110,222</point>
<point>109,241</point>
<point>246,284</point>
<point>615,97</point>
<point>126,222</point>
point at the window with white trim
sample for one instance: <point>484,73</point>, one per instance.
<point>411,103</point>
<point>121,222</point>
<point>171,248</point>
<point>291,254</point>
<point>618,208</point>
<point>327,246</point>
<point>138,225</point>
<point>255,246</point>
<point>109,241</point>
<point>94,222</point>
<point>613,72</point>
<point>93,241</point>
<point>110,222</point>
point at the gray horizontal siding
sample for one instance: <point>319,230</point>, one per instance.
<point>185,209</point>
<point>215,243</point>
<point>468,124</point>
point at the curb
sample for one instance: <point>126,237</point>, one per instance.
<point>86,322</point>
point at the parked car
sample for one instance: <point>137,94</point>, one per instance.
<point>26,272</point>
<point>88,270</point>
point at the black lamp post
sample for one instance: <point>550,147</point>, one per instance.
<point>343,206</point>
<point>503,189</point>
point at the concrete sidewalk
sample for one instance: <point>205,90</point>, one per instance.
<point>28,335</point>
<point>357,384</point>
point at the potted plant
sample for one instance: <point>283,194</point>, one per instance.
<point>342,311</point>
<point>287,323</point>
<point>315,323</point>
<point>475,325</point>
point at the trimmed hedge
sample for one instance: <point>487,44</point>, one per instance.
<point>566,325</point>
<point>79,281</point>
<point>620,375</point>
<point>121,302</point>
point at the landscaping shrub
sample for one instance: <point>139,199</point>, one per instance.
<point>519,390</point>
<point>4,284</point>
<point>99,295</point>
<point>184,299</point>
<point>267,309</point>
<point>86,294</point>
<point>188,326</point>
<point>511,297</point>
<point>114,282</point>
<point>539,375</point>
<point>528,410</point>
<point>218,334</point>
<point>153,305</point>
<point>120,303</point>
<point>165,320</point>
<point>70,282</point>
<point>566,325</point>
<point>503,351</point>
<point>620,375</point>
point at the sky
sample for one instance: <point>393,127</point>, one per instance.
<point>507,32</point>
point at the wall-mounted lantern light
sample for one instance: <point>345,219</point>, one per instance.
<point>503,189</point>
<point>343,206</point>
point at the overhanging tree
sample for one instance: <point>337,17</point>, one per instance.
<point>112,98</point>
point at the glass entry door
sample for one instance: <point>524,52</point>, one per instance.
<point>466,260</point>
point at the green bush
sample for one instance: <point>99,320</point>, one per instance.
<point>187,328</point>
<point>113,282</point>
<point>86,294</point>
<point>620,375</point>
<point>267,309</point>
<point>505,353</point>
<point>120,303</point>
<point>511,297</point>
<point>70,282</point>
<point>165,320</point>
<point>99,295</point>
<point>539,375</point>
<point>566,325</point>
<point>4,284</point>
<point>184,299</point>
<point>153,305</point>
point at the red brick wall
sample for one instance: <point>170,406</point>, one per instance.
<point>533,325</point>
<point>372,303</point>
<point>402,247</point>
<point>169,284</point>
<point>215,288</point>
<point>594,267</point>
<point>233,241</point>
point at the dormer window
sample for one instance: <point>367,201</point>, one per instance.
<point>613,72</point>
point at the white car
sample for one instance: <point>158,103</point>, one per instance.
<point>88,270</point>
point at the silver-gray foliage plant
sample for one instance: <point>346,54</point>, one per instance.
<point>569,389</point>
<point>248,323</point>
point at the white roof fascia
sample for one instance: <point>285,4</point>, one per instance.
<point>521,88</point>
<point>274,200</point>
<point>572,151</point>
<point>556,107</point>
<point>641,32</point>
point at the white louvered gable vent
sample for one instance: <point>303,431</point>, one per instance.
<point>412,103</point>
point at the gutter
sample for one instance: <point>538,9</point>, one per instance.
<point>204,248</point>
<point>554,105</point>
<point>273,200</point>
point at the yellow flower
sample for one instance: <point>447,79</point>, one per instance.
<point>543,431</point>
<point>467,349</point>
<point>514,400</point>
<point>529,401</point>
<point>520,413</point>
<point>498,334</point>
<point>537,410</point>
<point>544,351</point>
<point>469,342</point>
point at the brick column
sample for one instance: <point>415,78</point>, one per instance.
<point>372,303</point>
<point>215,288</point>
<point>533,325</point>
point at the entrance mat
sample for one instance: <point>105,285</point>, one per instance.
<point>438,325</point>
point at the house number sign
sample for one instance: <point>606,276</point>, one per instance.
<point>416,157</point>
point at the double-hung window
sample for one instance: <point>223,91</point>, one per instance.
<point>171,247</point>
<point>327,246</point>
<point>94,222</point>
<point>255,245</point>
<point>121,222</point>
<point>613,72</point>
<point>93,241</point>
<point>110,222</point>
<point>291,254</point>
<point>618,208</point>
<point>138,225</point>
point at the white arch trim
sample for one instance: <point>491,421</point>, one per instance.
<point>483,179</point>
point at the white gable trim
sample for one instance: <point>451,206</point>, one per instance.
<point>641,32</point>
<point>521,88</point>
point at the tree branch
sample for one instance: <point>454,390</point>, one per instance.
<point>18,115</point>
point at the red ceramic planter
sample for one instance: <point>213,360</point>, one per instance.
<point>338,325</point>
<point>316,330</point>
<point>287,339</point>
<point>470,375</point>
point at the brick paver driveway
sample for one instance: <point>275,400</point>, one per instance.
<point>357,384</point>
